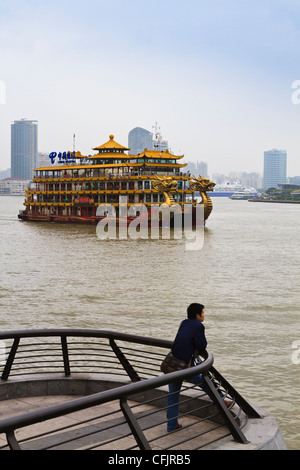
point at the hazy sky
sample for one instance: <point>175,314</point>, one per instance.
<point>217,76</point>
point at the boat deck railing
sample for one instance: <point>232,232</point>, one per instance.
<point>107,176</point>
<point>130,411</point>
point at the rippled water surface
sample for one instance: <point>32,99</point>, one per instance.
<point>247,274</point>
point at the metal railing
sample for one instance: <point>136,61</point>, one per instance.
<point>133,413</point>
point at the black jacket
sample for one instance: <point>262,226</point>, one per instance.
<point>190,337</point>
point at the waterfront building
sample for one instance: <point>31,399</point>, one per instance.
<point>243,179</point>
<point>274,168</point>
<point>5,174</point>
<point>24,148</point>
<point>294,180</point>
<point>197,168</point>
<point>251,180</point>
<point>13,186</point>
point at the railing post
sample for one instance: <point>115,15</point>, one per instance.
<point>65,352</point>
<point>134,426</point>
<point>12,441</point>
<point>124,361</point>
<point>10,359</point>
<point>233,426</point>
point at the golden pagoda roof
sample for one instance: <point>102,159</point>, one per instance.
<point>157,154</point>
<point>111,144</point>
<point>160,165</point>
<point>111,165</point>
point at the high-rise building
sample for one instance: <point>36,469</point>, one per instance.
<point>274,168</point>
<point>24,148</point>
<point>197,168</point>
<point>139,139</point>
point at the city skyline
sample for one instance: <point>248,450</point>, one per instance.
<point>226,171</point>
<point>221,80</point>
<point>138,136</point>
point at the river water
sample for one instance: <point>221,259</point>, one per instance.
<point>247,274</point>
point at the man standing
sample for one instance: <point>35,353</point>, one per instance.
<point>189,342</point>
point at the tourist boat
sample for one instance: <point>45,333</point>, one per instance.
<point>244,194</point>
<point>74,187</point>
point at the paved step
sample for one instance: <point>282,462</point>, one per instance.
<point>108,431</point>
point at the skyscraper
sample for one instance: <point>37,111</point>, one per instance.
<point>274,168</point>
<point>24,148</point>
<point>139,139</point>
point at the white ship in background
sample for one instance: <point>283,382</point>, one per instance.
<point>226,189</point>
<point>245,193</point>
<point>232,191</point>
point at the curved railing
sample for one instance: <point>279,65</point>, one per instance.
<point>140,394</point>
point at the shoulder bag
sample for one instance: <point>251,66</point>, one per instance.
<point>171,364</point>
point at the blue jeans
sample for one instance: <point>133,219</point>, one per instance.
<point>173,399</point>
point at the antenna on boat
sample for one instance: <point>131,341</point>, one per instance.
<point>156,135</point>
<point>73,142</point>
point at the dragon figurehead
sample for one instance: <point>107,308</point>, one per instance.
<point>164,185</point>
<point>203,185</point>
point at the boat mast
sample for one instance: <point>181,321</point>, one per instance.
<point>156,135</point>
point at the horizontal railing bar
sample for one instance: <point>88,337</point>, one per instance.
<point>187,426</point>
<point>203,433</point>
<point>73,425</point>
<point>37,361</point>
<point>114,439</point>
<point>21,349</point>
<point>212,440</point>
<point>120,373</point>
<point>143,351</point>
<point>90,433</point>
<point>84,333</point>
<point>100,397</point>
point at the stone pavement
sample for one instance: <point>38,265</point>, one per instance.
<point>110,432</point>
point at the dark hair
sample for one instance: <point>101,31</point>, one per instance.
<point>193,309</point>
